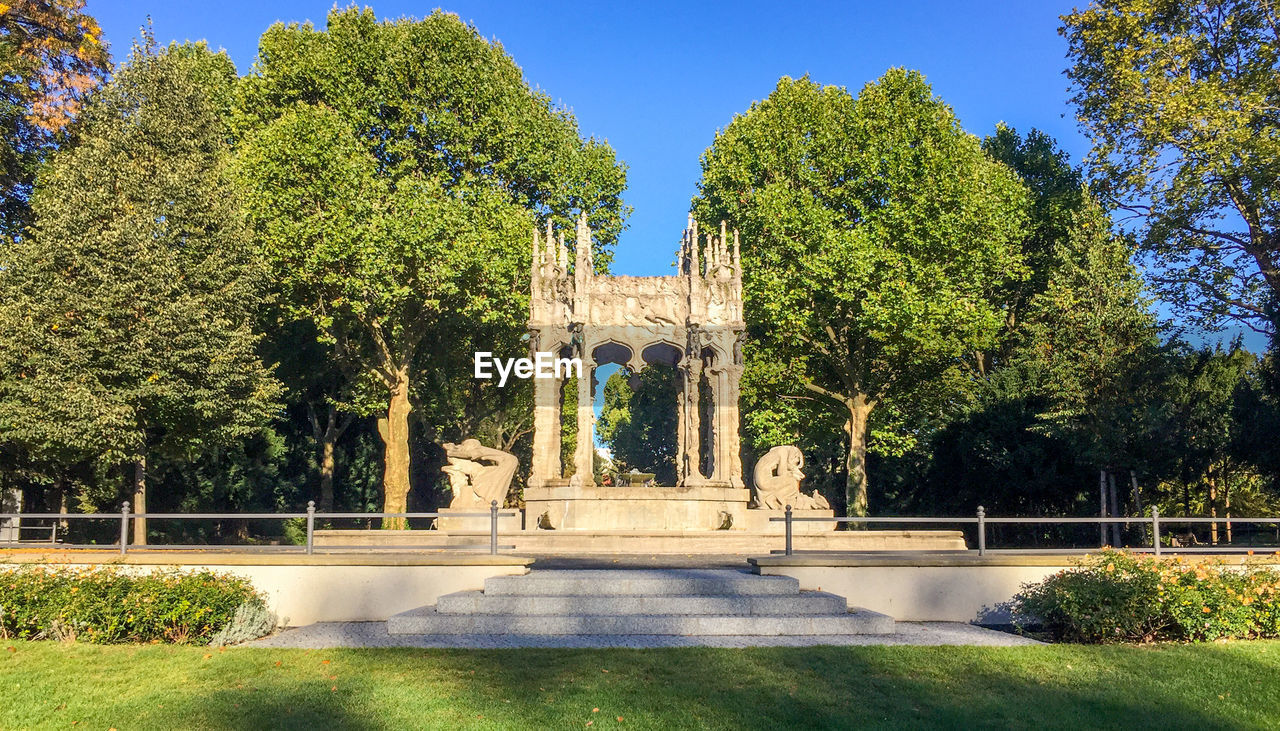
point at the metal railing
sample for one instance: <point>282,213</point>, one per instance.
<point>982,520</point>
<point>126,515</point>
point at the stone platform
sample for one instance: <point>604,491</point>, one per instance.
<point>722,542</point>
<point>640,602</point>
<point>685,509</point>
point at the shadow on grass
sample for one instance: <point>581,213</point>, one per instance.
<point>831,687</point>
<point>1219,686</point>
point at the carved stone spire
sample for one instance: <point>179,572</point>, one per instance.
<point>583,248</point>
<point>535,270</point>
<point>695,268</point>
<point>549,243</point>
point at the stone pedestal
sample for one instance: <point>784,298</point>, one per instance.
<point>467,520</point>
<point>636,508</point>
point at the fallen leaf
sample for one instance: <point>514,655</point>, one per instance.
<point>277,663</point>
<point>595,710</point>
<point>334,688</point>
<point>324,662</point>
<point>619,719</point>
<point>12,648</point>
<point>207,656</point>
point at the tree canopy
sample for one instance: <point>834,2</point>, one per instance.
<point>875,233</point>
<point>126,319</point>
<point>1182,102</point>
<point>392,172</point>
<point>51,55</point>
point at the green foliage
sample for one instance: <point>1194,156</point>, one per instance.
<point>392,173</point>
<point>1117,596</point>
<point>1057,198</point>
<point>875,234</point>
<point>1026,426</point>
<point>639,424</point>
<point>51,55</point>
<point>108,605</point>
<point>1180,101</point>
<point>126,319</point>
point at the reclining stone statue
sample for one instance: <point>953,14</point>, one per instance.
<point>777,479</point>
<point>478,474</point>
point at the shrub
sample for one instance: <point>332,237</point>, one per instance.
<point>1117,596</point>
<point>108,605</point>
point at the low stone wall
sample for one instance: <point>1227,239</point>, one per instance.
<point>724,542</point>
<point>930,587</point>
<point>303,589</point>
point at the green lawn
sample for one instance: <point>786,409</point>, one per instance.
<point>1207,686</point>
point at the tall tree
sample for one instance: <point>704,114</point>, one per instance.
<point>51,55</point>
<point>1182,101</point>
<point>875,235</point>
<point>393,172</point>
<point>126,319</point>
<point>1057,195</point>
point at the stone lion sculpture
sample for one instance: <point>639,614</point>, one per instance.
<point>478,474</point>
<point>777,479</point>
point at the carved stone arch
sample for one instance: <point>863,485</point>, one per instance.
<point>612,351</point>
<point>661,352</point>
<point>713,355</point>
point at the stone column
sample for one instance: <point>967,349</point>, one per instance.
<point>716,379</point>
<point>584,454</point>
<point>690,424</point>
<point>731,426</point>
<point>546,431</point>
<point>728,452</point>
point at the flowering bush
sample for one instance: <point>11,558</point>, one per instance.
<point>107,605</point>
<point>1117,596</point>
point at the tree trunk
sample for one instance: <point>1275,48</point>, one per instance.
<point>140,499</point>
<point>856,460</point>
<point>1213,507</point>
<point>394,430</point>
<point>62,506</point>
<point>327,436</point>
<point>1226,506</point>
<point>1102,506</point>
<point>1116,539</point>
<point>326,472</point>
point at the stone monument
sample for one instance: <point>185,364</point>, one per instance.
<point>777,479</point>
<point>691,322</point>
<point>479,476</point>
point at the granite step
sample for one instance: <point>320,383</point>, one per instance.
<point>427,621</point>
<point>478,602</point>
<point>637,582</point>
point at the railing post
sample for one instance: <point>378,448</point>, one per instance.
<point>311,526</point>
<point>493,528</point>
<point>1155,529</point>
<point>982,531</point>
<point>124,527</point>
<point>788,517</point>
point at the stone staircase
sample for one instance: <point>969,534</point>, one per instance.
<point>678,602</point>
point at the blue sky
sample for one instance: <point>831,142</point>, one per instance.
<point>658,79</point>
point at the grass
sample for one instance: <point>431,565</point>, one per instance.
<point>1233,685</point>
